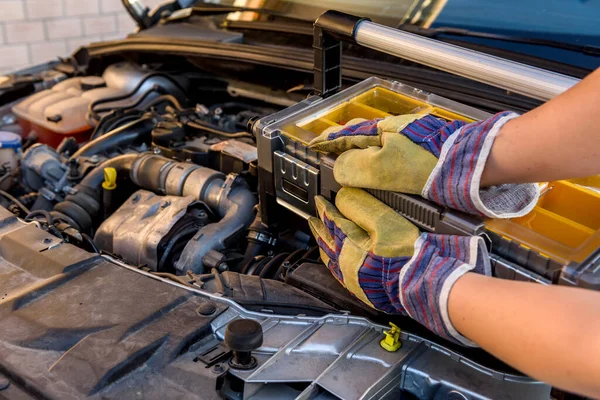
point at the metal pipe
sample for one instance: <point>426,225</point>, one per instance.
<point>234,202</point>
<point>228,196</point>
<point>510,75</point>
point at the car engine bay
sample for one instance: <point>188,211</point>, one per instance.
<point>139,221</point>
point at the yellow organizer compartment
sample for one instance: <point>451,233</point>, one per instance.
<point>564,225</point>
<point>377,102</point>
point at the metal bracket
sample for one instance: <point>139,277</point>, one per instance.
<point>330,30</point>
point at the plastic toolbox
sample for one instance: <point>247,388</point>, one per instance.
<point>558,242</point>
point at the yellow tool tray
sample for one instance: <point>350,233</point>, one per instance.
<point>377,102</point>
<point>564,226</point>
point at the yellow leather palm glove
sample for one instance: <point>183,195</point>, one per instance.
<point>383,150</point>
<point>421,154</point>
<point>383,260</point>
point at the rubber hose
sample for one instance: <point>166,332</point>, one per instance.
<point>267,270</point>
<point>136,131</point>
<point>84,207</point>
<point>255,247</point>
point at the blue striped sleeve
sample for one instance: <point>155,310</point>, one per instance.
<point>427,278</point>
<point>431,133</point>
<point>455,181</point>
<point>419,286</point>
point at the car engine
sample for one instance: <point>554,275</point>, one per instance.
<point>154,244</point>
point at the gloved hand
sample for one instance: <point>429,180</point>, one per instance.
<point>421,154</point>
<point>382,259</point>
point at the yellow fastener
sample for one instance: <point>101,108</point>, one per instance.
<point>110,179</point>
<point>391,342</point>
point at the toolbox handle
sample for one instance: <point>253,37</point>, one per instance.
<point>333,27</point>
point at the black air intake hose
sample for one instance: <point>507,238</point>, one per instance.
<point>83,208</point>
<point>259,237</point>
<point>138,131</point>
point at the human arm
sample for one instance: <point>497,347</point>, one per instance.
<point>557,140</point>
<point>551,333</point>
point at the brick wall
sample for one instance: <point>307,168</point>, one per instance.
<point>36,31</point>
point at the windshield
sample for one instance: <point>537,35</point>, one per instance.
<point>566,21</point>
<point>387,12</point>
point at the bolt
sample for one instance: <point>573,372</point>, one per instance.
<point>222,267</point>
<point>156,150</point>
<point>207,308</point>
<point>94,158</point>
<point>218,369</point>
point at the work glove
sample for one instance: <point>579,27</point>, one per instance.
<point>383,260</point>
<point>421,154</point>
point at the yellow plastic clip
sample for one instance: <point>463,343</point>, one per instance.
<point>110,179</point>
<point>391,342</point>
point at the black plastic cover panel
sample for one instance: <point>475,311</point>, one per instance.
<point>73,325</point>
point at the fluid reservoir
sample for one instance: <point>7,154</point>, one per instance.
<point>10,153</point>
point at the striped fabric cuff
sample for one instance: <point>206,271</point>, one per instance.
<point>427,278</point>
<point>455,181</point>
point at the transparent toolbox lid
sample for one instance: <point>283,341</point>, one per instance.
<point>372,98</point>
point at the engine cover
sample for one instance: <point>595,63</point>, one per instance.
<point>61,111</point>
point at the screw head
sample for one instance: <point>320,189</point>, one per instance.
<point>207,308</point>
<point>217,369</point>
<point>222,267</point>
